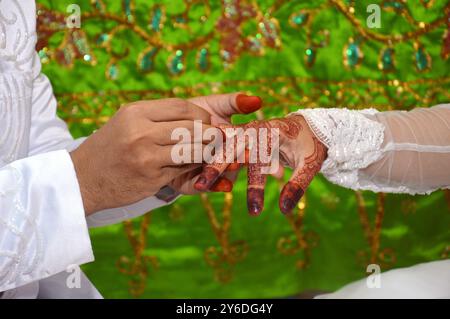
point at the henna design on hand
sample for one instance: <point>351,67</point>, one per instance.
<point>296,140</point>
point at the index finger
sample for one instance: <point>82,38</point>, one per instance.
<point>174,109</point>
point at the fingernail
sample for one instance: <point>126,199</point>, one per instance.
<point>200,184</point>
<point>254,209</point>
<point>289,197</point>
<point>288,206</point>
<point>248,104</point>
<point>255,200</point>
<point>206,179</point>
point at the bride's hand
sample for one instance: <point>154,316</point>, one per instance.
<point>298,149</point>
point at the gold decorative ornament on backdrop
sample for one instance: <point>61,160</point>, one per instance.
<point>222,258</point>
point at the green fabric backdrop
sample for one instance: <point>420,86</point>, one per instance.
<point>92,77</point>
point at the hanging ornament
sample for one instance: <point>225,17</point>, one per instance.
<point>427,3</point>
<point>180,21</point>
<point>78,41</point>
<point>320,39</point>
<point>386,61</point>
<point>145,60</point>
<point>128,7</point>
<point>47,24</point>
<point>157,19</point>
<point>112,71</point>
<point>98,5</point>
<point>299,19</point>
<point>229,26</point>
<point>269,29</point>
<point>310,56</point>
<point>65,56</point>
<point>43,55</point>
<point>445,52</point>
<point>102,39</point>
<point>254,44</point>
<point>176,212</point>
<point>203,60</point>
<point>393,5</point>
<point>223,257</point>
<point>353,55</point>
<point>176,63</point>
<point>421,57</point>
<point>299,242</point>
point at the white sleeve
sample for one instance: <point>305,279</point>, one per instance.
<point>395,151</point>
<point>49,133</point>
<point>42,224</point>
<point>424,281</point>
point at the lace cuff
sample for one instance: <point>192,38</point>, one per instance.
<point>353,140</point>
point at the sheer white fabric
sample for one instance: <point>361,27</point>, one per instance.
<point>399,152</point>
<point>423,281</point>
<point>396,151</point>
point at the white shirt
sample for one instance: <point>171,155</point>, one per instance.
<point>43,229</point>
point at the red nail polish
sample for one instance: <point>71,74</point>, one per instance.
<point>248,104</point>
<point>233,167</point>
<point>289,197</point>
<point>206,179</point>
<point>222,185</point>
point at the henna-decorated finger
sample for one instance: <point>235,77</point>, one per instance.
<point>223,184</point>
<point>233,167</point>
<point>209,176</point>
<point>293,191</point>
<point>211,172</point>
<point>236,166</point>
<point>279,173</point>
<point>256,181</point>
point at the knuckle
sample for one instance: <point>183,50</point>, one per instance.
<point>146,166</point>
<point>182,107</point>
<point>201,114</point>
<point>179,104</point>
<point>131,110</point>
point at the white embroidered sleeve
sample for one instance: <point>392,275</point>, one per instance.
<point>395,151</point>
<point>49,132</point>
<point>42,224</point>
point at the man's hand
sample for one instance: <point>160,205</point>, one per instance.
<point>129,158</point>
<point>221,107</point>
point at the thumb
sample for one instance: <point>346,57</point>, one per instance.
<point>223,106</point>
